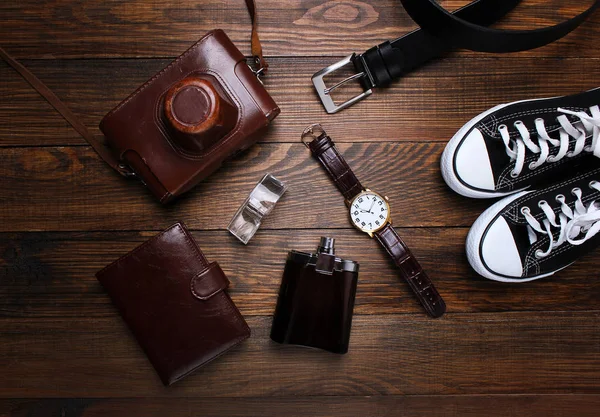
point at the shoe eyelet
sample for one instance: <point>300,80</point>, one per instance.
<point>502,127</point>
<point>550,160</point>
<point>560,198</point>
<point>592,183</point>
<point>513,174</point>
<point>539,254</point>
<point>539,119</point>
<point>518,123</point>
<point>542,203</point>
<point>532,166</point>
<point>525,210</point>
<point>575,190</point>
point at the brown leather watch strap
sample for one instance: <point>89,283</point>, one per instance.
<point>411,271</point>
<point>323,148</point>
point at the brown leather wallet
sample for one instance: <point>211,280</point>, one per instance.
<point>175,303</point>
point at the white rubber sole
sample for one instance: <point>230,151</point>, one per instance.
<point>475,236</point>
<point>446,164</point>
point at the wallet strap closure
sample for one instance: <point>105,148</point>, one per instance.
<point>209,282</point>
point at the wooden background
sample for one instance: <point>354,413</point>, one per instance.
<point>501,350</point>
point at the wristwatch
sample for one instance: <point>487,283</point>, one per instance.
<point>370,213</point>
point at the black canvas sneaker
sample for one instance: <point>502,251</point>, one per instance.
<point>533,234</point>
<point>514,146</point>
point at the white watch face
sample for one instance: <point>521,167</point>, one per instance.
<point>369,211</point>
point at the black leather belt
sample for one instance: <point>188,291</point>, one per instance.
<point>440,32</point>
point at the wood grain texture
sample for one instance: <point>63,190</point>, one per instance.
<point>44,179</point>
<point>140,28</point>
<point>51,275</point>
<point>430,104</point>
<point>502,350</point>
<point>389,355</point>
<point>372,406</point>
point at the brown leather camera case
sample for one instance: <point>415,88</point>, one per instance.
<point>179,127</point>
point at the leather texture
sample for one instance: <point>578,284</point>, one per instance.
<point>464,34</point>
<point>441,31</point>
<point>324,150</point>
<point>198,113</point>
<point>392,59</point>
<point>167,162</point>
<point>175,303</point>
<point>256,46</point>
<point>411,271</point>
<point>108,155</point>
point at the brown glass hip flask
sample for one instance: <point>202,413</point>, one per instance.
<point>316,300</point>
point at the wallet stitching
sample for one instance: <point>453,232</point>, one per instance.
<point>134,251</point>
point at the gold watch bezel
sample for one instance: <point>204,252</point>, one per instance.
<point>388,219</point>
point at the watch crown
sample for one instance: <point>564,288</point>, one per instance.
<point>386,198</point>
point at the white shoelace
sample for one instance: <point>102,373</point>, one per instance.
<point>575,226</point>
<point>587,125</point>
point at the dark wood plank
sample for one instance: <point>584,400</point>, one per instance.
<point>428,105</point>
<point>70,188</point>
<point>375,406</point>
<point>501,350</point>
<point>52,274</point>
<point>532,353</point>
<point>100,28</point>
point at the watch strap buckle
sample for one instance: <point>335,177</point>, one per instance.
<point>309,132</point>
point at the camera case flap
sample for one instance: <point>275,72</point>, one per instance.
<point>179,127</point>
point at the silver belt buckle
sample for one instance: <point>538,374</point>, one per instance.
<point>324,92</point>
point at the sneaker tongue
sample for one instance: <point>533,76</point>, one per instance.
<point>497,155</point>
<point>521,236</point>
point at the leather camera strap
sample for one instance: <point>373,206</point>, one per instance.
<point>256,46</point>
<point>105,153</point>
<point>101,149</point>
<point>441,31</point>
